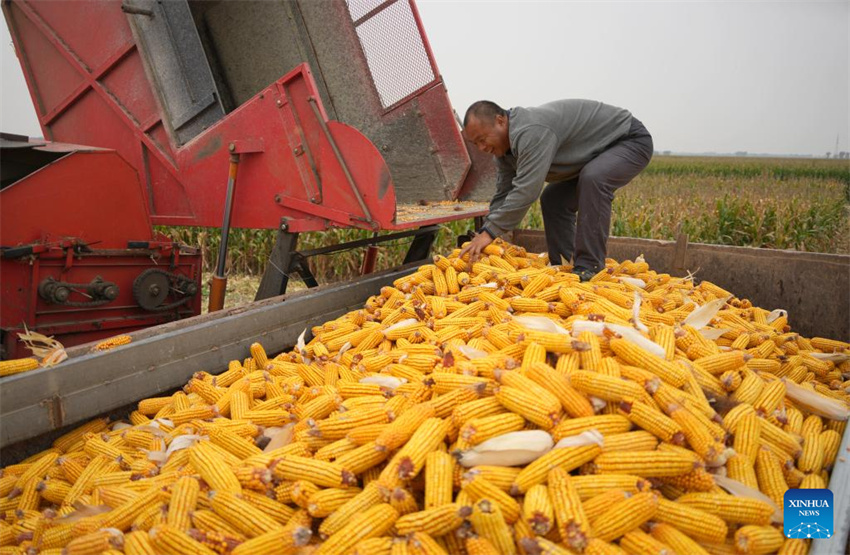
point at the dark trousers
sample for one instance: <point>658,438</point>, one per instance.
<point>588,198</point>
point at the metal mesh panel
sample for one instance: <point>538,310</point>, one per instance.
<point>359,8</point>
<point>394,50</point>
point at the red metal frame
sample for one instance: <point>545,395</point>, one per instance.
<point>92,88</point>
<point>78,214</point>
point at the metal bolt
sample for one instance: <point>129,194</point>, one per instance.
<point>153,289</point>
<point>284,227</point>
<point>279,103</point>
<point>385,148</point>
<point>232,147</point>
<point>277,199</point>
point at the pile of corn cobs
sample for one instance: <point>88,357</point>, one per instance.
<point>485,408</point>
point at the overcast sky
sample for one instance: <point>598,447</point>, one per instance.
<point>768,77</point>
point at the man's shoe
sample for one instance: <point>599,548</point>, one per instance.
<point>584,274</point>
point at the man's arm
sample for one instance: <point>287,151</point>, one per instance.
<point>505,174</point>
<point>536,149</point>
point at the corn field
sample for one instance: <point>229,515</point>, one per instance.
<point>801,204</point>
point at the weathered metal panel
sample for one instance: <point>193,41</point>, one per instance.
<point>813,287</point>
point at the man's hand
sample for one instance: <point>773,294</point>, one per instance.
<point>475,246</point>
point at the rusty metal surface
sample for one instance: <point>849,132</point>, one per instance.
<point>813,287</point>
<point>165,357</point>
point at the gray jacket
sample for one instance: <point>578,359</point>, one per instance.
<point>549,143</point>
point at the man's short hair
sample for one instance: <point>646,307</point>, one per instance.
<point>483,110</point>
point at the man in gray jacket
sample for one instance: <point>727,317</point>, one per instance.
<point>585,150</point>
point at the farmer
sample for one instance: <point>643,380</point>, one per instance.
<point>585,150</point>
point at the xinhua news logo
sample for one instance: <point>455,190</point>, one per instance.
<point>808,514</point>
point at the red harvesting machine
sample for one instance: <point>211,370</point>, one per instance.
<point>293,115</point>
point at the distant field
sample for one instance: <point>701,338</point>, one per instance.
<point>780,203</point>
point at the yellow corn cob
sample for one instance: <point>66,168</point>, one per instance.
<point>166,539</point>
<point>478,488</point>
<point>410,459</point>
<point>184,498</point>
<point>124,514</point>
<point>445,404</point>
<point>527,405</point>
<point>439,469</point>
<point>537,509</point>
<point>233,443</point>
<point>676,539</point>
<point>625,515</point>
<point>276,542</point>
<point>830,441</point>
<point>372,523</point>
<point>567,458</point>
<point>668,371</point>
<point>608,424</point>
<point>573,524</point>
<point>95,543</point>
<point>573,402</point>
<point>653,421</point>
<point>324,502</point>
<point>599,547</point>
<point>758,540</point>
<point>297,492</point>
<point>138,543</point>
<point>811,425</point>
<point>638,541</point>
<point>794,547</point>
<point>747,434</point>
<point>699,524</point>
<point>16,366</point>
<point>699,436</point>
<point>648,464</point>
<point>741,469</point>
<point>595,506</point>
<point>812,457</point>
<point>812,481</point>
<point>208,521</point>
<point>366,499</point>
<point>335,449</point>
<point>362,458</point>
<point>322,473</point>
<point>401,500</point>
<point>402,428</point>
<point>489,523</point>
<point>503,477</point>
<point>770,477</point>
<point>38,468</point>
<point>552,342</point>
<point>278,511</point>
<point>241,514</point>
<point>337,428</point>
<point>604,387</point>
<point>374,546</point>
<point>478,430</point>
<point>213,468</point>
<point>216,541</point>
<point>732,509</point>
